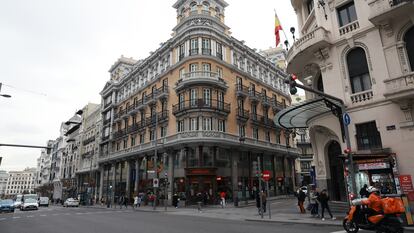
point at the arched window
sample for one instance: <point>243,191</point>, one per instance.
<point>358,70</point>
<point>193,6</point>
<point>218,11</point>
<point>409,46</point>
<point>206,6</point>
<point>183,11</point>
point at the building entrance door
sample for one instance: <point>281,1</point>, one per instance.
<point>201,189</point>
<point>336,185</point>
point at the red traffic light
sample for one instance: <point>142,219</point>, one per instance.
<point>218,178</point>
<point>294,77</point>
<point>347,151</point>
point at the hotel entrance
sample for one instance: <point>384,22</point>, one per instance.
<point>201,185</point>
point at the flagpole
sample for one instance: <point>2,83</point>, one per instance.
<point>280,22</point>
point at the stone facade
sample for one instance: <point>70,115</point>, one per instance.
<point>360,52</point>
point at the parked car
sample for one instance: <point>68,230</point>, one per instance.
<point>6,205</point>
<point>44,201</point>
<point>17,204</point>
<point>29,204</point>
<point>71,202</point>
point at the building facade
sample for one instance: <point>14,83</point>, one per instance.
<point>87,170</point>
<point>4,176</point>
<point>197,114</point>
<point>43,172</point>
<point>21,182</point>
<point>58,155</point>
<point>276,55</point>
<point>361,52</point>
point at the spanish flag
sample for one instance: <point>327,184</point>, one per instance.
<point>278,27</point>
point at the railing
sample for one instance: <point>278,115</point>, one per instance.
<point>276,104</point>
<point>379,7</point>
<point>181,57</point>
<point>136,126</point>
<point>255,117</point>
<point>219,56</point>
<point>193,52</point>
<point>194,12</point>
<point>155,94</point>
<point>254,95</point>
<point>197,75</point>
<point>361,96</point>
<point>242,90</point>
<point>400,84</point>
<point>349,28</point>
<point>310,39</point>
<point>107,104</point>
<point>205,12</point>
<point>162,116</point>
<point>241,113</point>
<point>199,104</point>
<point>106,121</point>
<point>89,140</point>
<point>119,133</point>
<point>206,51</point>
<point>266,100</point>
<point>203,136</point>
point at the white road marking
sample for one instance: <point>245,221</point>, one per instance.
<point>16,217</point>
<point>30,216</point>
<point>42,215</point>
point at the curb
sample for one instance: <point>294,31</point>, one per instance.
<point>296,222</point>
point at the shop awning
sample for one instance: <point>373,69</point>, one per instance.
<point>299,115</point>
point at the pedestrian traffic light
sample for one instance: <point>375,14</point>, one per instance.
<point>291,80</point>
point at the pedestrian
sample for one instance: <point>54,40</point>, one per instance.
<point>301,200</point>
<point>314,203</point>
<point>121,201</point>
<point>135,202</point>
<point>259,209</point>
<point>126,201</point>
<point>264,201</point>
<point>223,199</point>
<point>324,199</point>
<point>175,200</point>
<point>363,192</point>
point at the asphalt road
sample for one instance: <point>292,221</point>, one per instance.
<point>90,220</point>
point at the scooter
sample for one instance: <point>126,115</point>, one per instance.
<point>357,219</point>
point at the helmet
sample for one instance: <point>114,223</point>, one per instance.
<point>372,189</point>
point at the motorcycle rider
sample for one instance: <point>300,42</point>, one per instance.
<point>374,204</point>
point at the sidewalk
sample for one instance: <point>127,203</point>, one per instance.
<point>283,210</point>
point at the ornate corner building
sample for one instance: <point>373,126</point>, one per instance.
<point>361,52</point>
<point>196,113</point>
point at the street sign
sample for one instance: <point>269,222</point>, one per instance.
<point>266,175</point>
<point>346,119</point>
<point>155,183</point>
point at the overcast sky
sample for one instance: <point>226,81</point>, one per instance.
<point>55,56</point>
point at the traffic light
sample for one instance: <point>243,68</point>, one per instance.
<point>255,168</point>
<point>291,80</point>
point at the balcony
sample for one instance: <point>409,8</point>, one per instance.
<point>162,117</point>
<point>304,48</point>
<point>266,101</point>
<point>400,88</point>
<point>219,55</point>
<point>206,51</point>
<point>106,105</point>
<point>385,10</point>
<point>201,105</point>
<point>255,118</point>
<point>88,140</point>
<point>362,97</point>
<point>200,78</point>
<point>348,28</point>
<point>136,127</point>
<point>242,91</point>
<point>151,98</point>
<point>254,96</point>
<point>120,133</point>
<point>267,122</point>
<point>105,138</point>
<point>193,52</point>
<point>276,105</point>
<point>188,137</point>
<point>106,121</point>
<point>242,115</point>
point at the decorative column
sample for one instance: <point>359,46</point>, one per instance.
<point>128,179</point>
<point>234,176</point>
<point>136,176</point>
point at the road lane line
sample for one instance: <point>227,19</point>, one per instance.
<point>42,215</point>
<point>16,217</point>
<point>30,216</point>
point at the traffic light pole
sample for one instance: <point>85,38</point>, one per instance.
<point>293,85</point>
<point>260,187</point>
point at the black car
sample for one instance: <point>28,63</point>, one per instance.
<point>6,205</point>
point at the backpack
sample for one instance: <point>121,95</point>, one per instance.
<point>392,205</point>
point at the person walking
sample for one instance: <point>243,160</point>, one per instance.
<point>323,198</point>
<point>223,199</point>
<point>121,201</point>
<point>301,201</point>
<point>264,201</point>
<point>126,201</point>
<point>135,202</point>
<point>175,200</point>
<point>314,203</point>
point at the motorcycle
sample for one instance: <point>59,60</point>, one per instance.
<point>357,218</point>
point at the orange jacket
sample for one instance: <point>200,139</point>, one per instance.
<point>373,202</point>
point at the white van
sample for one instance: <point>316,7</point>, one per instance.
<point>44,201</point>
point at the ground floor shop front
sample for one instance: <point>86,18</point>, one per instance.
<point>196,173</point>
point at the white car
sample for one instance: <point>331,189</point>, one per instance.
<point>44,201</point>
<point>71,202</point>
<point>17,204</point>
<point>29,204</point>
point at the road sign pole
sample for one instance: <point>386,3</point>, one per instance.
<point>267,188</point>
<point>260,187</point>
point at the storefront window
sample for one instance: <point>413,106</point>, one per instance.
<point>180,160</point>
